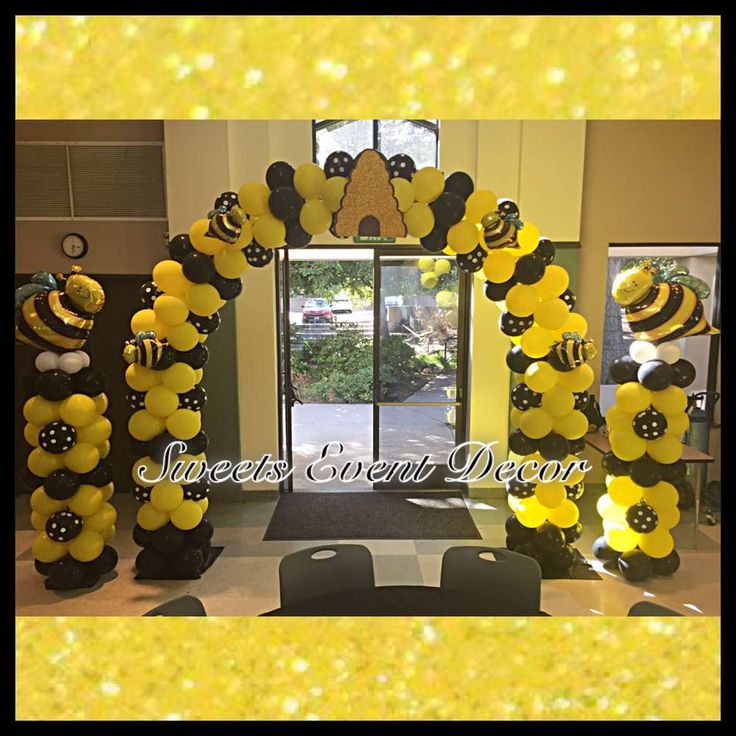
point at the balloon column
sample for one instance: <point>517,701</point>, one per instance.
<point>661,303</point>
<point>68,473</point>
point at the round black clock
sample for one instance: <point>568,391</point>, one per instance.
<point>74,245</point>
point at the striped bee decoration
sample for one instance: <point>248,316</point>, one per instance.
<point>497,232</point>
<point>144,349</point>
<point>570,352</point>
<point>227,225</point>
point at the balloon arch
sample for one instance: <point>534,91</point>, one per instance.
<point>368,195</point>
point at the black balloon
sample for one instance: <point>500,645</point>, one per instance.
<point>180,247</point>
<point>473,261</point>
<point>194,399</point>
<point>142,494</point>
<point>517,361</point>
<point>529,269</point>
<point>459,183</point>
<point>197,357</point>
<point>642,518</point>
<point>436,241</point>
<point>89,381</point>
<point>514,326</point>
<point>197,491</point>
<point>57,437</point>
<point>645,472</point>
<point>167,359</point>
<point>227,288</point>
<point>55,385</point>
<point>157,446</point>
<point>189,561</point>
<point>523,398</point>
<point>105,563</point>
<point>603,551</point>
<point>528,549</point>
<point>148,294</point>
<point>635,566</point>
<point>650,424</point>
<point>497,292</point>
<point>684,373</point>
<point>514,528</point>
<point>42,567</point>
<point>401,165</point>
<point>554,447</point>
<point>142,537</point>
<point>63,526</point>
<point>577,446</point>
<point>257,256</point>
<point>201,534</point>
<point>150,564</point>
<point>198,443</point>
<point>205,325</point>
<point>666,565</point>
<point>296,235</point>
<point>574,492</point>
<point>582,398</point>
<point>656,375</point>
<point>61,484</point>
<point>623,369</point>
<point>558,364</point>
<point>448,209</point>
<point>519,488</point>
<point>228,200</point>
<point>136,400</point>
<point>546,251</point>
<point>66,573</point>
<point>167,540</point>
<point>674,472</point>
<point>508,209</point>
<point>569,298</point>
<point>521,444</point>
<point>561,559</point>
<point>198,267</point>
<point>280,174</point>
<point>549,538</point>
<point>614,465</point>
<point>101,475</point>
<point>338,163</point>
<point>285,203</point>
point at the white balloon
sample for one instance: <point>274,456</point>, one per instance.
<point>47,361</point>
<point>84,356</point>
<point>669,352</point>
<point>642,351</point>
<point>71,363</point>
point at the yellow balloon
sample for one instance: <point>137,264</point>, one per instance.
<point>419,220</point>
<point>100,403</point>
<point>626,445</point>
<point>96,432</point>
<point>550,495</point>
<point>578,379</point>
<point>530,512</point>
<point>666,449</point>
<point>269,231</point>
<point>565,515</point>
<point>201,241</point>
<point>230,263</point>
<point>621,538</point>
<point>78,410</point>
<point>428,184</point>
<point>678,424</point>
<point>515,416</point>
<point>184,424</point>
<point>657,544</point>
<point>102,519</point>
<point>204,504</point>
<point>309,180</point>
<point>480,202</point>
<point>152,470</point>
<point>522,300</point>
<point>203,299</point>
<point>314,217</point>
<point>554,281</point>
<point>463,236</point>
<point>43,463</point>
<point>46,550</point>
<point>43,504</point>
<point>199,375</point>
<point>30,434</point>
<point>161,401</point>
<point>108,534</point>
<point>403,191</point>
<point>104,449</point>
<point>332,192</point>
<point>170,278</point>
<point>571,426</point>
<point>186,516</point>
<point>245,238</point>
<point>611,511</point>
<point>551,314</point>
<point>140,378</point>
<point>442,266</point>
<point>144,320</point>
<point>150,518</point>
<point>425,264</point>
<point>107,490</point>
<point>557,401</point>
<point>535,423</point>
<point>576,323</point>
<point>40,411</point>
<point>183,337</point>
<point>428,280</point>
<point>143,426</point>
<point>624,491</point>
<point>499,266</point>
<point>672,400</point>
<point>540,377</point>
<point>87,500</point>
<point>82,458</point>
<point>632,397</point>
<point>166,496</point>
<point>618,419</point>
<point>38,521</point>
<point>171,310</point>
<point>536,341</point>
<point>576,476</point>
<point>253,198</point>
<point>668,517</point>
<point>661,495</point>
<point>528,238</point>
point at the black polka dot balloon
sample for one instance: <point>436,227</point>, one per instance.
<point>136,400</point>
<point>642,518</point>
<point>141,494</point>
<point>194,399</point>
<point>520,489</point>
<point>569,298</point>
<point>338,164</point>
<point>228,200</point>
<point>574,492</point>
<point>148,293</point>
<point>514,326</point>
<point>523,398</point>
<point>545,250</point>
<point>650,424</point>
<point>63,526</point>
<point>508,209</point>
<point>473,261</point>
<point>196,491</point>
<point>582,399</point>
<point>205,325</point>
<point>57,437</point>
<point>257,255</point>
<point>401,165</point>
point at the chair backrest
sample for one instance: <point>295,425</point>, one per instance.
<point>187,605</point>
<point>645,608</point>
<point>329,568</point>
<point>510,584</point>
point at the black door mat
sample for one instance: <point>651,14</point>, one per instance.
<point>214,553</point>
<point>371,515</point>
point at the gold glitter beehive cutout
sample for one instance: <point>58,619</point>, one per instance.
<point>369,206</point>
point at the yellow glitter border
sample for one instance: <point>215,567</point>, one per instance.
<point>462,67</point>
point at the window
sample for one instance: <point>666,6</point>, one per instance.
<point>417,138</point>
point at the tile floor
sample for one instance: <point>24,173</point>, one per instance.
<point>244,579</point>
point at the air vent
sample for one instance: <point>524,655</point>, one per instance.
<point>41,182</point>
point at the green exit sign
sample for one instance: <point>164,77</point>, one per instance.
<point>372,239</point>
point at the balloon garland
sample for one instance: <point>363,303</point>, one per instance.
<point>68,473</point>
<point>661,304</point>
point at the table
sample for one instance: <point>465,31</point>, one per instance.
<point>700,459</point>
<point>395,600</point>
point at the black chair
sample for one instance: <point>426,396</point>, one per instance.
<point>510,584</point>
<point>187,605</point>
<point>645,608</point>
<point>326,569</point>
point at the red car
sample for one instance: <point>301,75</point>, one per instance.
<point>316,310</point>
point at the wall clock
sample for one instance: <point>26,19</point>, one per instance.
<point>74,245</point>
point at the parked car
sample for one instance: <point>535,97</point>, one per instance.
<point>342,305</point>
<point>316,310</point>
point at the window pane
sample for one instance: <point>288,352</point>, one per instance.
<point>351,136</point>
<point>403,136</point>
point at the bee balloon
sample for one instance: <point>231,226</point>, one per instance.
<point>145,350</point>
<point>49,317</point>
<point>571,352</point>
<point>226,224</point>
<point>661,301</point>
